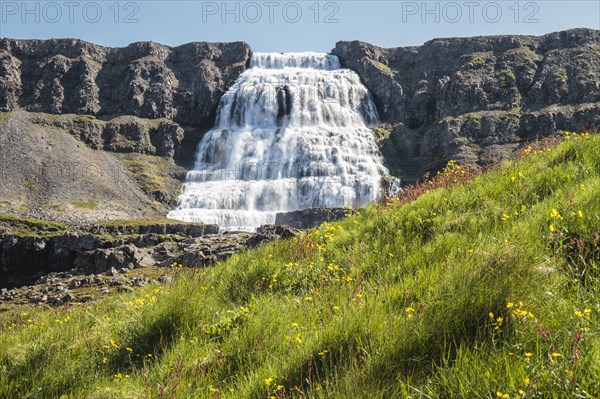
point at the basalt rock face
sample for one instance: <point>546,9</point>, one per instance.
<point>144,79</point>
<point>127,134</point>
<point>105,248</point>
<point>312,217</point>
<point>476,99</point>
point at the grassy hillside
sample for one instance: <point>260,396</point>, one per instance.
<point>486,289</point>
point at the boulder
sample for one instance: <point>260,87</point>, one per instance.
<point>304,219</point>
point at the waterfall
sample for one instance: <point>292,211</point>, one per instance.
<point>290,134</point>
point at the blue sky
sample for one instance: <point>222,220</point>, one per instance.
<point>273,25</point>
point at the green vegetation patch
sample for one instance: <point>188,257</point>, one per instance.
<point>474,118</point>
<point>156,176</point>
<point>87,118</point>
<point>381,133</point>
<point>384,67</point>
<point>4,115</point>
<point>30,227</point>
<point>478,61</point>
<point>90,203</point>
<point>506,79</point>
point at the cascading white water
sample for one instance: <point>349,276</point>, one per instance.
<point>290,134</point>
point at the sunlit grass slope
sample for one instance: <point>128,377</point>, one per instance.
<point>485,289</point>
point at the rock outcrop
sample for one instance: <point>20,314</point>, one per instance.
<point>475,99</point>
<point>104,248</point>
<point>312,217</point>
<point>127,134</point>
<point>144,79</point>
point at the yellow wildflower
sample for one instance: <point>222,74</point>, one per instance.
<point>570,373</point>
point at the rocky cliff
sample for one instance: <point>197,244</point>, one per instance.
<point>476,99</point>
<point>144,79</point>
<point>146,105</point>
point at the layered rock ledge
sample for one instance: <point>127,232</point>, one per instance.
<point>475,99</point>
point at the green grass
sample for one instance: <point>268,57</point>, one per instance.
<point>506,79</point>
<point>147,175</point>
<point>87,118</point>
<point>18,226</point>
<point>4,115</point>
<point>89,204</point>
<point>155,175</point>
<point>478,61</point>
<point>401,300</point>
<point>384,67</point>
<point>381,133</point>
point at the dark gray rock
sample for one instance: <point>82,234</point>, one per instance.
<point>305,219</point>
<point>75,284</point>
<point>10,82</point>
<point>180,229</point>
<point>164,279</point>
<point>475,99</point>
<point>25,259</point>
<point>110,259</point>
<point>178,88</point>
<point>57,261</point>
<point>140,281</point>
<point>144,79</point>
